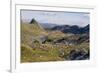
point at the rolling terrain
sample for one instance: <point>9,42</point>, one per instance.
<point>57,43</point>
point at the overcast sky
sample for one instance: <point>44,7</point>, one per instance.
<point>60,18</point>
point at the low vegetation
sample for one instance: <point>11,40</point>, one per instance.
<point>39,45</point>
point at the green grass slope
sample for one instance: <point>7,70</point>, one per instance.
<point>34,51</point>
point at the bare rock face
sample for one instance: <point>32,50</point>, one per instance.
<point>33,21</point>
<point>78,55</point>
<point>72,29</point>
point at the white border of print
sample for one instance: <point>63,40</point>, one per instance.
<point>17,67</point>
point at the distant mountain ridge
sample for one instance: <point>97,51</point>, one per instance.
<point>72,29</point>
<point>48,25</point>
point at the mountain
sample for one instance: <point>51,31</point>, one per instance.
<point>72,29</point>
<point>59,43</point>
<point>48,25</point>
<point>31,31</point>
<point>33,21</point>
<point>85,29</point>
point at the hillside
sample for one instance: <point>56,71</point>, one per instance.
<point>42,45</point>
<point>29,32</point>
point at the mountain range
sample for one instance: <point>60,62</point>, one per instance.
<point>72,29</point>
<point>53,42</point>
<point>66,28</point>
